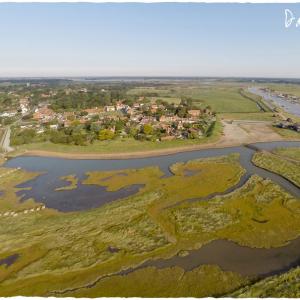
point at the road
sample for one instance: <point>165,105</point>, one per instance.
<point>5,141</point>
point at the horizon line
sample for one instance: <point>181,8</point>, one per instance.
<point>143,76</point>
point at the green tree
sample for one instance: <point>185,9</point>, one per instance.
<point>106,134</point>
<point>147,129</point>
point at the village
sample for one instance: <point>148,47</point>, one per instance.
<point>153,120</point>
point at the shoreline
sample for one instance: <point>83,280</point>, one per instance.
<point>140,154</point>
<point>235,133</point>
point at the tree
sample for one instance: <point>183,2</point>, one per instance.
<point>147,129</point>
<point>83,113</point>
<point>181,111</point>
<point>106,134</point>
<point>119,125</point>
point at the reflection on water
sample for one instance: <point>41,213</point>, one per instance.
<point>82,198</point>
<point>9,260</point>
<point>230,256</point>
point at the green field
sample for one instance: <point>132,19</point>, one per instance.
<point>255,116</point>
<point>222,98</point>
<point>174,282</point>
<point>292,89</point>
<point>141,91</point>
<point>291,153</point>
<point>286,285</point>
<point>287,133</point>
<point>287,167</point>
<point>175,100</point>
<point>60,251</point>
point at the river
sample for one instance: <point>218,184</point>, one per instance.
<point>228,255</point>
<point>42,188</point>
<point>290,107</point>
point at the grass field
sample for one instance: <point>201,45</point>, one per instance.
<point>286,285</point>
<point>287,133</point>
<point>142,91</point>
<point>175,100</point>
<point>168,282</point>
<point>292,153</point>
<point>60,251</point>
<point>292,89</point>
<point>280,165</point>
<point>222,98</point>
<point>9,179</point>
<point>255,116</point>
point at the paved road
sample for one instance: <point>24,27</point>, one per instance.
<point>5,141</point>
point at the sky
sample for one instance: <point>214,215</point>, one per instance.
<point>138,39</point>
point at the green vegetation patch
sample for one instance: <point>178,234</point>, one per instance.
<point>287,133</point>
<point>290,153</point>
<point>72,180</point>
<point>291,89</point>
<point>76,246</point>
<point>255,116</point>
<point>259,214</point>
<point>204,281</point>
<point>286,285</point>
<point>75,250</point>
<point>9,201</point>
<point>280,165</point>
<point>223,99</point>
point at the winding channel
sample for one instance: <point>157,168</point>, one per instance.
<point>228,255</point>
<point>42,188</point>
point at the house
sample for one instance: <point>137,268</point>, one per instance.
<point>40,130</point>
<point>136,118</point>
<point>93,111</point>
<point>154,108</point>
<point>109,108</point>
<point>121,107</point>
<point>68,114</point>
<point>44,114</point>
<point>194,112</point>
<point>147,120</point>
<point>8,114</point>
<point>24,105</point>
<point>136,105</point>
<point>169,119</point>
<point>54,126</point>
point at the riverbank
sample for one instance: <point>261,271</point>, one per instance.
<point>235,133</point>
